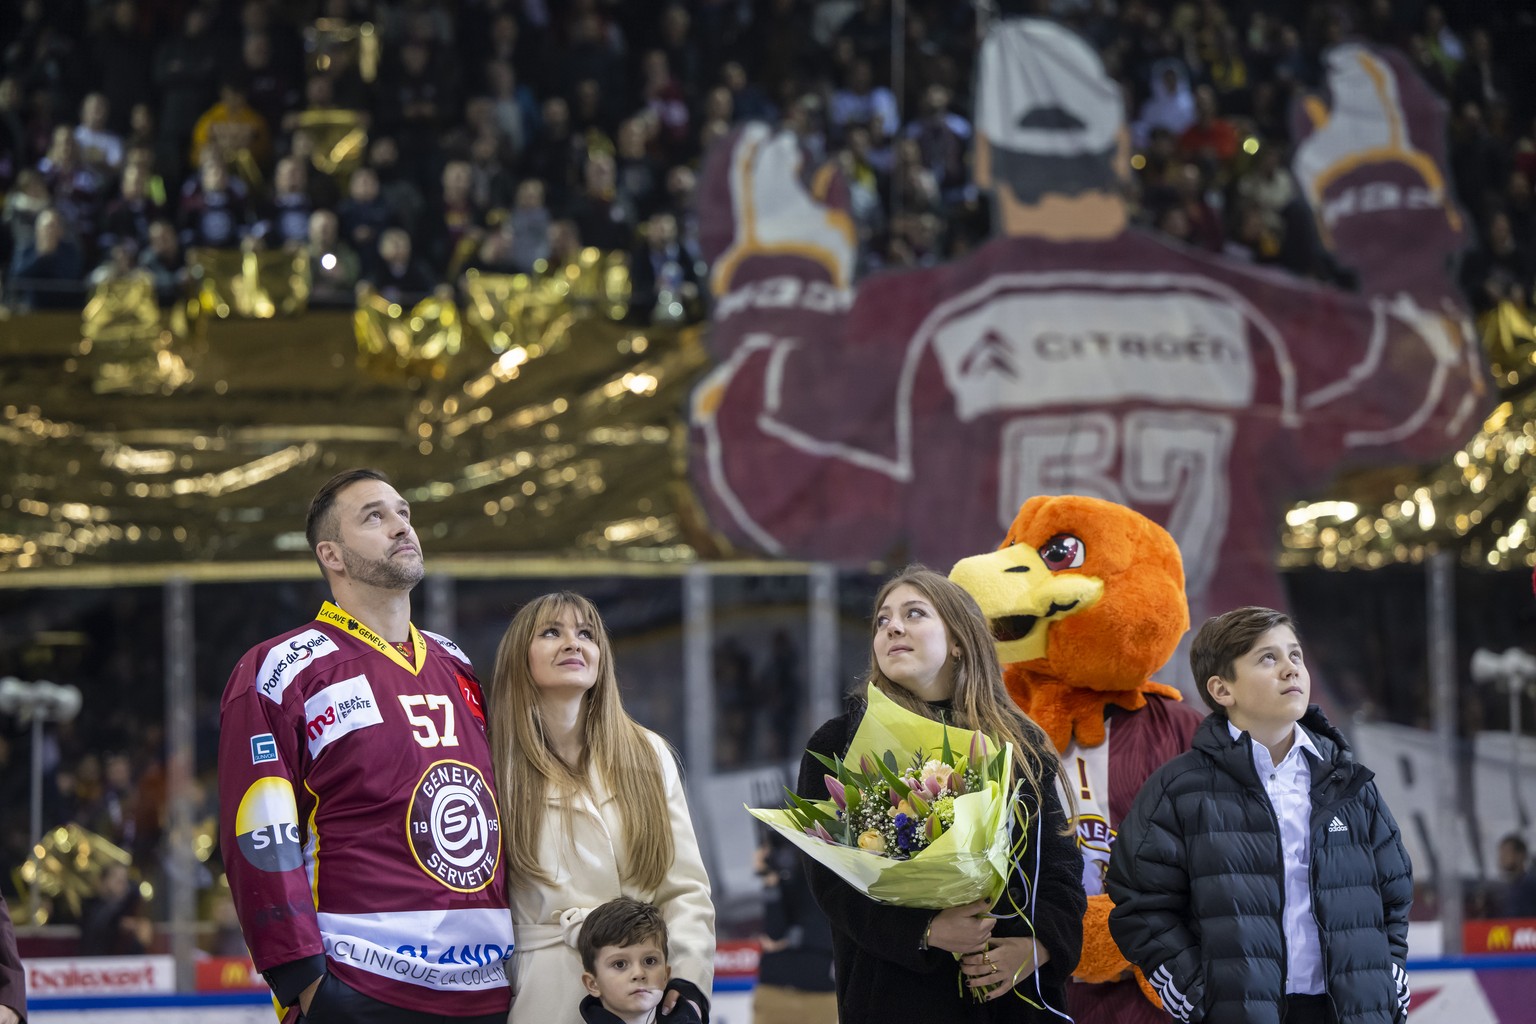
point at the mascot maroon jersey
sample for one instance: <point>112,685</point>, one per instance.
<point>367,826</point>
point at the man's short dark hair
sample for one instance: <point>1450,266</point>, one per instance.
<point>1515,840</point>
<point>1224,638</point>
<point>625,921</point>
<point>320,523</point>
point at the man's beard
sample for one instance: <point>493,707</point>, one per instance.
<point>384,573</point>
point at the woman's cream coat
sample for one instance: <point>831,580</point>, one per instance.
<point>546,920</point>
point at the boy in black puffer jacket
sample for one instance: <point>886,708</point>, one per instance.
<point>1259,877</point>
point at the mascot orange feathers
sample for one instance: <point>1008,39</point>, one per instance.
<point>1086,601</point>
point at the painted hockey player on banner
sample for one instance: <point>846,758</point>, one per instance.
<point>911,416</point>
<point>360,830</point>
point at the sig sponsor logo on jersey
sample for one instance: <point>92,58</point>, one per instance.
<point>287,659</point>
<point>267,826</point>
<point>337,710</point>
<point>455,829</point>
<point>263,748</point>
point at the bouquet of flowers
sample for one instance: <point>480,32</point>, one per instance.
<point>920,813</point>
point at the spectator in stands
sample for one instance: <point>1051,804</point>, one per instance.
<point>748,101</point>
<point>1171,106</point>
<point>233,129</point>
<point>1517,895</point>
<point>413,104</point>
<point>1267,186</point>
<point>860,101</point>
<point>1211,139</point>
<point>364,215</point>
<point>514,108</point>
<point>23,205</point>
<point>636,174</point>
<point>334,267</point>
<point>185,75</point>
<point>163,259</point>
<point>121,259</point>
<point>457,222</point>
<point>529,222</point>
<point>565,242</point>
<point>286,221</point>
<point>48,270</point>
<point>491,185</point>
<point>124,60</point>
<point>399,276</point>
<point>112,923</point>
<point>100,147</point>
<point>552,157</point>
<point>662,277</point>
<point>129,215</point>
<point>943,138</point>
<point>214,212</point>
<point>605,216</point>
<point>270,92</point>
<point>1501,271</point>
<point>399,191</point>
<point>1444,45</point>
<point>665,103</point>
<point>75,186</point>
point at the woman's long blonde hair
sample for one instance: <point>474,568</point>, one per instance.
<point>980,699</point>
<point>614,746</point>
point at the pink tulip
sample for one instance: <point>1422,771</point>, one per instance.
<point>819,831</point>
<point>978,750</point>
<point>836,791</point>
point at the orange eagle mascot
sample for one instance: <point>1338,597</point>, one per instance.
<point>1086,601</point>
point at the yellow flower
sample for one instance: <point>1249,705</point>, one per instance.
<point>871,840</point>
<point>905,807</point>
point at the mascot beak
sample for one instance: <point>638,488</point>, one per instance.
<point>1021,597</point>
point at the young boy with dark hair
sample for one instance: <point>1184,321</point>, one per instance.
<point>623,947</point>
<point>1259,877</point>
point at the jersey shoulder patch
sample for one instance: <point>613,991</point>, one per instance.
<point>447,645</point>
<point>288,658</point>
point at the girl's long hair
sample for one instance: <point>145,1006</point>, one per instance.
<point>615,747</point>
<point>980,700</point>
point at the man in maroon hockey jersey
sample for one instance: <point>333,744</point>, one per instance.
<point>359,826</point>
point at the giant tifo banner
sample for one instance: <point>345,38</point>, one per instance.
<point>909,415</point>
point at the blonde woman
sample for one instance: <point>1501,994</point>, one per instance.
<point>594,808</point>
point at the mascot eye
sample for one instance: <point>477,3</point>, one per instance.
<point>1062,551</point>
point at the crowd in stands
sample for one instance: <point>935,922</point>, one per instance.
<point>499,133</point>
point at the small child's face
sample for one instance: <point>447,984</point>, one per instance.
<point>1270,686</point>
<point>629,979</point>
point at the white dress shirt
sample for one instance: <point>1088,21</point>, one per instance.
<point>1289,785</point>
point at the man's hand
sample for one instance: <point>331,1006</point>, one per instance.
<point>8,1016</point>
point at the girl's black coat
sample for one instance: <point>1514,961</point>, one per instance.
<point>882,975</point>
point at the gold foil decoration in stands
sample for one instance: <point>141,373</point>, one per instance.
<point>256,284</point>
<point>394,342</point>
<point>519,310</point>
<point>331,41</point>
<point>66,867</point>
<point>336,140</point>
<point>1480,502</point>
<point>122,310</point>
<point>127,343</point>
